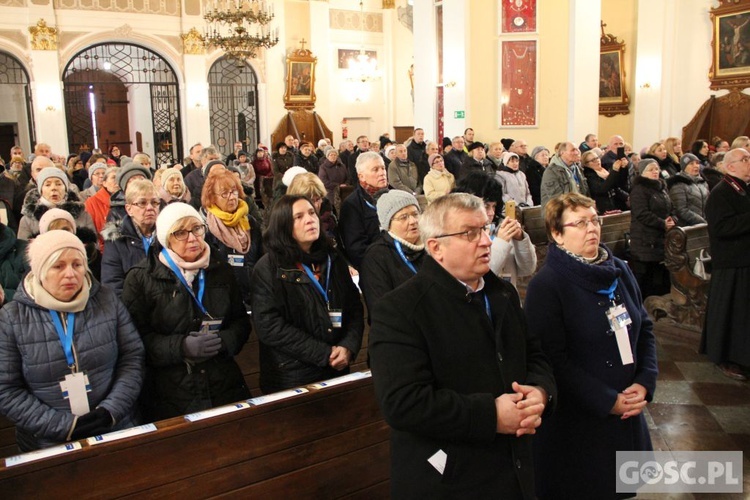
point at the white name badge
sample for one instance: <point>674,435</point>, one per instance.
<point>336,317</point>
<point>236,260</point>
<point>619,320</point>
<point>210,326</point>
<point>74,389</point>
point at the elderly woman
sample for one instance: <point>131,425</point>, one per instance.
<point>535,170</point>
<point>96,177</point>
<point>98,205</point>
<point>438,181</point>
<point>688,192</point>
<point>55,218</point>
<point>311,187</point>
<point>188,309</point>
<point>128,241</point>
<point>651,218</point>
<point>658,152</point>
<point>262,167</point>
<point>172,188</point>
<point>513,181</point>
<point>586,308</point>
<point>333,173</point>
<point>512,254</point>
<point>233,235</point>
<point>397,254</point>
<point>65,332</point>
<point>306,309</point>
<point>52,192</point>
<point>605,185</point>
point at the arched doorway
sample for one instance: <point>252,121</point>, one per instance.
<point>233,105</point>
<point>118,93</point>
<point>16,113</point>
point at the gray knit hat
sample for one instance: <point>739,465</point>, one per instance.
<point>538,150</point>
<point>125,173</point>
<point>645,163</point>
<point>390,203</point>
<point>687,159</point>
<point>96,166</point>
<point>49,172</point>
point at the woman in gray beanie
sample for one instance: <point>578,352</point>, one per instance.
<point>397,253</point>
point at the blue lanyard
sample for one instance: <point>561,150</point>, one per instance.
<point>610,292</point>
<point>370,205</point>
<point>487,306</point>
<point>314,280</point>
<point>147,243</point>
<point>66,337</point>
<point>403,257</point>
<point>201,282</point>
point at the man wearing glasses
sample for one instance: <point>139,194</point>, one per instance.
<point>725,337</point>
<point>456,375</point>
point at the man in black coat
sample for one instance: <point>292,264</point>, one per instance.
<point>456,374</point>
<point>454,159</point>
<point>418,155</point>
<point>363,145</point>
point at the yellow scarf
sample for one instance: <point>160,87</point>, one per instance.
<point>232,220</point>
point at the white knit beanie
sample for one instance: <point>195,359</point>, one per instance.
<point>169,217</point>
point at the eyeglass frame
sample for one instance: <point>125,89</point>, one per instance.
<point>226,194</point>
<point>187,232</point>
<point>154,203</point>
<point>486,229</point>
<point>744,159</point>
<point>597,221</point>
<point>402,218</point>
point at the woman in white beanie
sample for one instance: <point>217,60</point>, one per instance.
<point>173,188</point>
<point>63,326</point>
<point>306,309</point>
<point>53,191</point>
<point>397,254</point>
<point>188,308</point>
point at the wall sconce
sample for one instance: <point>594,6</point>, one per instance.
<point>645,86</point>
<point>446,84</point>
<point>50,108</point>
<point>197,95</point>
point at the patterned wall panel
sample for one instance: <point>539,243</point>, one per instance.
<point>162,7</point>
<point>352,20</point>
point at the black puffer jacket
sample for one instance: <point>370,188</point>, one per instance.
<point>294,329</point>
<point>688,195</point>
<point>605,191</point>
<point>164,314</point>
<point>123,249</point>
<point>309,163</point>
<point>650,206</point>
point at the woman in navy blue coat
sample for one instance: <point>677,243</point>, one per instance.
<point>603,384</point>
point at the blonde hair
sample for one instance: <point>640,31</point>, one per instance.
<point>308,185</point>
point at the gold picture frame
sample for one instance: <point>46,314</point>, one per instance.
<point>300,80</point>
<point>730,45</point>
<point>613,97</point>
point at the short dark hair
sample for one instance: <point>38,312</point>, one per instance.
<point>467,129</point>
<point>482,185</point>
<point>278,237</point>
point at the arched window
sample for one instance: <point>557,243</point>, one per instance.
<point>17,122</point>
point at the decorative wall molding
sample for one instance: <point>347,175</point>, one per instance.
<point>351,20</point>
<point>125,30</point>
<point>12,3</point>
<point>162,7</point>
<point>16,36</point>
<point>43,37</point>
<point>192,43</point>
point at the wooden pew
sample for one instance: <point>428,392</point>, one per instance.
<point>686,302</point>
<point>330,442</point>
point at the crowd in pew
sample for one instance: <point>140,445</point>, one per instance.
<point>137,283</point>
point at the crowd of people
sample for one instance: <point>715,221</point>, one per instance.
<point>127,292</point>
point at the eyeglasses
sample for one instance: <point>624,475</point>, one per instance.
<point>182,234</point>
<point>595,160</point>
<point>584,223</point>
<point>227,194</point>
<point>744,159</point>
<point>143,204</point>
<point>472,234</point>
<point>402,218</point>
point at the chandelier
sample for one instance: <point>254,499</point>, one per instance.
<point>362,68</point>
<point>239,27</point>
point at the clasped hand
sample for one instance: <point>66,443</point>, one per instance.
<point>520,412</point>
<point>630,402</point>
<point>339,358</point>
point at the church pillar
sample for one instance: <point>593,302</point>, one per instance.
<point>583,69</point>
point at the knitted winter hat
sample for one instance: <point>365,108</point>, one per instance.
<point>432,158</point>
<point>128,171</point>
<point>507,156</point>
<point>290,174</point>
<point>390,203</point>
<point>48,243</point>
<point>170,172</point>
<point>388,149</point>
<point>687,159</point>
<point>210,165</point>
<point>538,150</point>
<point>54,214</point>
<point>48,173</point>
<point>96,166</point>
<point>169,217</point>
<point>645,163</point>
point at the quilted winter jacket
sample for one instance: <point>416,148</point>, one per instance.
<point>688,195</point>
<point>32,363</point>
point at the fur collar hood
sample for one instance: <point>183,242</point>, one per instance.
<point>683,178</point>
<point>33,208</point>
<point>657,184</point>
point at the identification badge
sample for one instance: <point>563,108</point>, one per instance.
<point>74,389</point>
<point>236,260</point>
<point>619,320</point>
<point>336,317</point>
<point>210,326</point>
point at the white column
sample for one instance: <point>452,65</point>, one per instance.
<point>455,66</point>
<point>583,69</point>
<point>425,69</point>
<point>196,102</point>
<point>49,115</point>
<point>272,105</point>
<point>320,45</point>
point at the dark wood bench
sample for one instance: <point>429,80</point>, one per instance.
<point>330,442</point>
<point>686,302</point>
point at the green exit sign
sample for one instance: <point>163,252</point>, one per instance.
<point>459,114</point>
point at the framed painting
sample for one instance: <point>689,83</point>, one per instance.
<point>730,66</point>
<point>517,16</point>
<point>613,98</point>
<point>518,83</point>
<point>300,80</point>
<point>345,54</point>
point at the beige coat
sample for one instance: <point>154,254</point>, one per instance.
<point>437,184</point>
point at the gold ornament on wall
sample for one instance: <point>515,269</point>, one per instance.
<point>389,4</point>
<point>43,37</point>
<point>193,43</point>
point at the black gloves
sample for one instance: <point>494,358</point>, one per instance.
<point>201,346</point>
<point>94,422</point>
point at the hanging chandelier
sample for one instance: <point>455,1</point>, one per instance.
<point>362,68</point>
<point>239,27</point>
